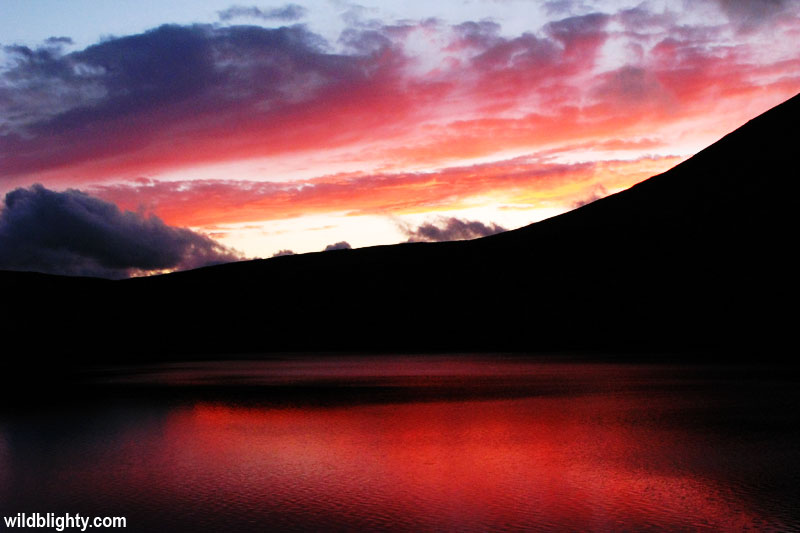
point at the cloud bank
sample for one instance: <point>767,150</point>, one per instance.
<point>72,233</point>
<point>343,245</point>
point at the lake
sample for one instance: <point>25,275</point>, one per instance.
<point>413,443</point>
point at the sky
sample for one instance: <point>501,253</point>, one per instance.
<point>140,137</point>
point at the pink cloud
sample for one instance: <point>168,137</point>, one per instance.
<point>180,97</point>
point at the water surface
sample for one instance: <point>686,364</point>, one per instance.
<point>414,443</point>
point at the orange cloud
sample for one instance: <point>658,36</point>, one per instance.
<point>528,181</point>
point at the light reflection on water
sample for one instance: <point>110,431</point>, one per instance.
<point>576,446</point>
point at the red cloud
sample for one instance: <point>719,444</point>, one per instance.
<point>523,180</point>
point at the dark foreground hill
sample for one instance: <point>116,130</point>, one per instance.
<point>698,259</point>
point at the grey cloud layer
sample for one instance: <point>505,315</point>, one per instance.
<point>76,234</point>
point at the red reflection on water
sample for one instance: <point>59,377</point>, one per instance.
<point>626,455</point>
<point>466,464</point>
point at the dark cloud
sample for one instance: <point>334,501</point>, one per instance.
<point>640,18</point>
<point>629,84</point>
<point>564,7</point>
<point>344,245</point>
<point>361,41</point>
<point>280,253</point>
<point>59,41</point>
<point>526,52</point>
<point>479,35</point>
<point>450,229</point>
<point>139,86</point>
<point>749,14</point>
<point>76,234</point>
<point>577,29</point>
<point>287,13</point>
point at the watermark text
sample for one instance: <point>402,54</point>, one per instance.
<point>61,522</point>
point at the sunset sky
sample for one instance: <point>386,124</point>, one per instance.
<point>273,126</point>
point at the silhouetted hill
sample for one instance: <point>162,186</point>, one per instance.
<point>696,259</point>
